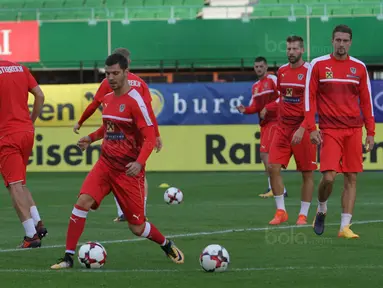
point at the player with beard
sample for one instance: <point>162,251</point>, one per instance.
<point>263,92</point>
<point>339,86</point>
<point>291,137</point>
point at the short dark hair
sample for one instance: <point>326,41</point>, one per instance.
<point>260,59</point>
<point>342,28</point>
<point>117,58</point>
<point>295,38</point>
<point>123,51</point>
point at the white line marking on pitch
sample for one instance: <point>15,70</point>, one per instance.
<point>256,229</point>
<point>358,267</point>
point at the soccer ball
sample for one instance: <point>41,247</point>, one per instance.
<point>92,255</point>
<point>173,196</point>
<point>214,258</point>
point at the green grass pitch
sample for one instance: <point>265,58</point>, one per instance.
<point>222,208</point>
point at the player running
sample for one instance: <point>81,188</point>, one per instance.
<point>291,137</point>
<point>99,99</point>
<point>129,140</point>
<point>338,88</point>
<point>263,92</point>
<point>16,143</point>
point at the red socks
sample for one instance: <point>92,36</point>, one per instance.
<point>75,228</point>
<point>151,232</point>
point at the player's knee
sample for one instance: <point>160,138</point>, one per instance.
<point>350,178</point>
<point>85,201</point>
<point>328,177</point>
<point>274,169</point>
<point>308,176</point>
<point>137,229</point>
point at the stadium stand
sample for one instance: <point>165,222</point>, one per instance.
<point>11,10</point>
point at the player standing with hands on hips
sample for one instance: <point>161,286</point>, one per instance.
<point>338,88</point>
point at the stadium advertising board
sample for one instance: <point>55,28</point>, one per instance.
<point>173,104</point>
<point>215,148</point>
<point>19,41</point>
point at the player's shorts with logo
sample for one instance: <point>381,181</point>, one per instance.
<point>281,150</point>
<point>128,190</point>
<point>15,150</point>
<point>267,134</point>
<point>341,150</point>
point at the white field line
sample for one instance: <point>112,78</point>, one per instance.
<point>227,231</point>
<point>287,268</point>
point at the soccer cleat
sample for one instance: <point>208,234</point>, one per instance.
<point>285,194</point>
<point>302,220</point>
<point>279,217</point>
<point>120,218</point>
<point>173,252</point>
<point>319,223</point>
<point>41,230</point>
<point>346,232</point>
<point>64,263</point>
<point>34,242</point>
<point>268,194</point>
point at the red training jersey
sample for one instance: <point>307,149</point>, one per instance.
<point>263,92</point>
<point>340,89</point>
<point>291,85</point>
<point>124,120</point>
<point>104,89</point>
<point>15,83</point>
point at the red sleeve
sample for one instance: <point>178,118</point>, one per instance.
<point>148,99</point>
<point>149,137</point>
<point>102,91</point>
<point>32,83</point>
<point>272,106</point>
<point>98,134</point>
<point>312,80</point>
<point>92,107</point>
<point>366,103</point>
<point>142,119</point>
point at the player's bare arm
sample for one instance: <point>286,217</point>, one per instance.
<point>298,135</point>
<point>158,144</point>
<point>39,102</point>
<point>241,108</point>
<point>370,142</point>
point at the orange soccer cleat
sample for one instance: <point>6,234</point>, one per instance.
<point>302,220</point>
<point>279,217</point>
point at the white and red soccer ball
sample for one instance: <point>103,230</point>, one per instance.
<point>92,255</point>
<point>214,258</point>
<point>173,196</point>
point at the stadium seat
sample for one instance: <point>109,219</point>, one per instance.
<point>193,2</point>
<point>94,3</point>
<point>30,4</point>
<point>142,14</point>
<point>268,1</point>
<point>318,11</point>
<point>377,10</point>
<point>362,10</point>
<point>114,3</point>
<point>27,15</point>
<point>73,3</point>
<point>329,1</point>
<point>12,5</point>
<point>134,3</point>
<point>173,2</point>
<point>288,1</point>
<point>8,16</point>
<point>281,11</point>
<point>154,2</point>
<point>163,13</point>
<point>185,13</point>
<point>53,4</point>
<point>260,11</point>
<point>300,10</point>
<point>339,10</point>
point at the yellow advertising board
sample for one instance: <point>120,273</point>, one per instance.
<point>186,148</point>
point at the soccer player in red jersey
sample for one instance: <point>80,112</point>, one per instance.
<point>129,140</point>
<point>99,99</point>
<point>263,92</point>
<point>338,88</point>
<point>16,143</point>
<point>291,137</point>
